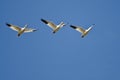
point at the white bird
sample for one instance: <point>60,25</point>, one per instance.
<point>83,31</point>
<point>20,30</point>
<point>53,26</point>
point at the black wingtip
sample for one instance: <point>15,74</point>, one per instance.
<point>8,24</point>
<point>35,30</point>
<point>73,26</point>
<point>43,20</point>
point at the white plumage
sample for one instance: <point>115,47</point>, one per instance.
<point>20,30</point>
<point>52,25</point>
<point>83,31</point>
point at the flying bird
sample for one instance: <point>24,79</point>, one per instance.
<point>52,25</point>
<point>83,31</point>
<point>19,29</point>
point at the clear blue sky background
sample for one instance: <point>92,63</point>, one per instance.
<point>65,55</point>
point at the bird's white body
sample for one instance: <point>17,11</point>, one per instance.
<point>58,27</point>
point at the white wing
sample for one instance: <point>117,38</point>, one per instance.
<point>79,29</point>
<point>50,24</point>
<point>13,27</point>
<point>29,30</point>
<point>90,27</point>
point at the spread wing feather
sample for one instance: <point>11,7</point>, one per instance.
<point>77,28</point>
<point>49,23</point>
<point>13,27</point>
<point>29,30</point>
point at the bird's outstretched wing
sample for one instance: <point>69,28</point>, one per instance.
<point>49,23</point>
<point>13,27</point>
<point>30,30</point>
<point>77,28</point>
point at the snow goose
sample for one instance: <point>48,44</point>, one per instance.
<point>83,31</point>
<point>20,30</point>
<point>52,25</point>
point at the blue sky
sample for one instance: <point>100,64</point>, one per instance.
<point>65,55</point>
